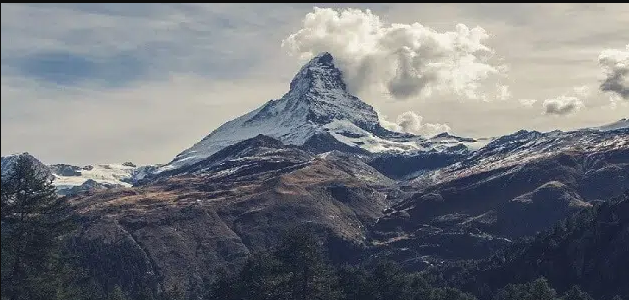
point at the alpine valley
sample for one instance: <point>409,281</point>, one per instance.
<point>318,156</point>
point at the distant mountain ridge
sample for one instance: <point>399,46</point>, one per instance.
<point>69,179</point>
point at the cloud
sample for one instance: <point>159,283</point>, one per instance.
<point>65,68</point>
<point>503,92</point>
<point>562,105</point>
<point>615,64</point>
<point>120,43</point>
<point>528,102</point>
<point>404,60</point>
<point>88,83</point>
<point>410,122</point>
<point>583,91</point>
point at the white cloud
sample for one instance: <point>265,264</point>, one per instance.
<point>410,122</point>
<point>528,102</point>
<point>562,105</point>
<point>615,64</point>
<point>583,91</point>
<point>404,60</point>
<point>503,92</point>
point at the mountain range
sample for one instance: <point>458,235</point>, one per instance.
<point>319,156</point>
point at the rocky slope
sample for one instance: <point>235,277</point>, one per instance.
<point>211,215</point>
<point>515,186</point>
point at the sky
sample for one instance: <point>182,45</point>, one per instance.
<point>102,83</point>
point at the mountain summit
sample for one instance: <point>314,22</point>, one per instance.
<point>317,104</point>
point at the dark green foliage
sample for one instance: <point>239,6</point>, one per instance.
<point>536,290</point>
<point>34,221</point>
<point>575,293</point>
<point>307,275</point>
<point>117,294</point>
<point>387,280</point>
<point>297,269</point>
<point>174,293</point>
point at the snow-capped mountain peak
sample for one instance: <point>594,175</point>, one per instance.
<point>317,97</point>
<point>318,72</point>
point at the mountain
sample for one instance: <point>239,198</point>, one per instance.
<point>511,151</point>
<point>317,112</point>
<point>515,186</point>
<point>620,124</point>
<point>318,157</point>
<point>189,222</point>
<point>183,228</point>
<point>69,179</point>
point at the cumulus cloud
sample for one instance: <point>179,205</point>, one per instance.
<point>562,105</point>
<point>615,64</point>
<point>410,122</point>
<point>404,60</point>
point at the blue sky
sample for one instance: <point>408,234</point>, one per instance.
<point>93,83</point>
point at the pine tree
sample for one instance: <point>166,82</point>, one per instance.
<point>575,293</point>
<point>33,221</point>
<point>308,275</point>
<point>539,289</point>
<point>117,294</point>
